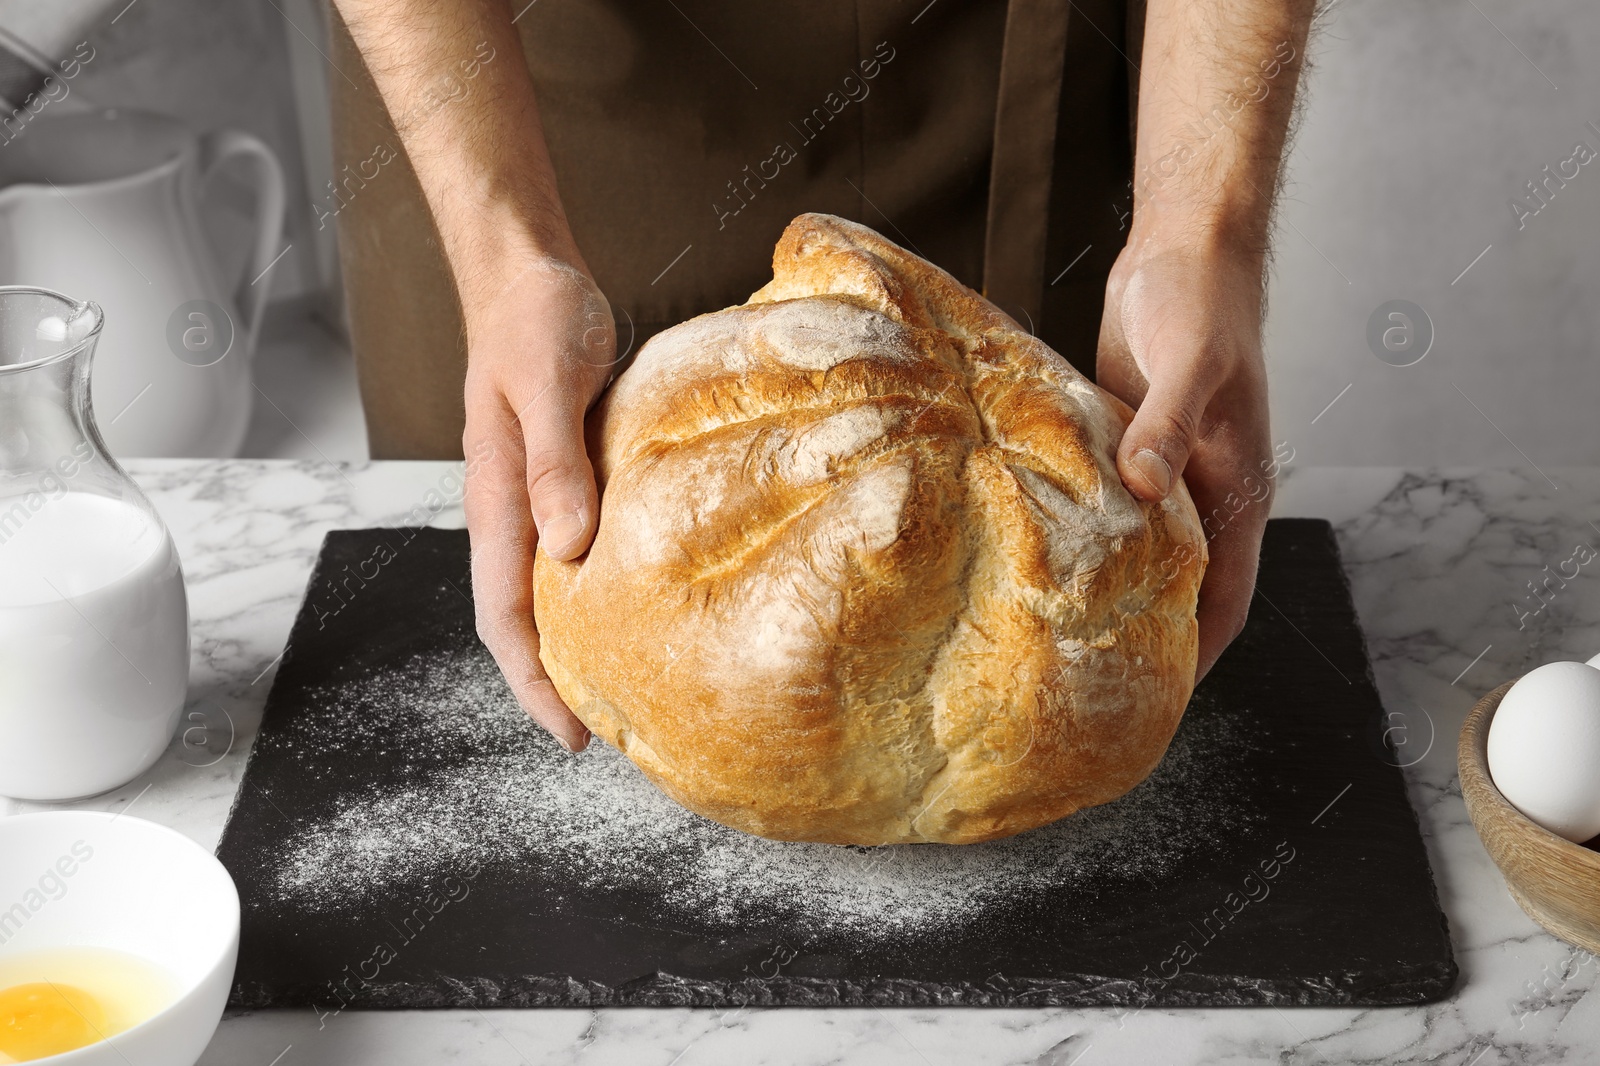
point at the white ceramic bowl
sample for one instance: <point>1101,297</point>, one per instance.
<point>143,889</point>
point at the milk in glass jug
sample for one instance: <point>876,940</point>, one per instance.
<point>94,625</point>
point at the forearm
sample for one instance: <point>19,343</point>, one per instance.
<point>1216,97</point>
<point>453,79</point>
<point>1180,340</point>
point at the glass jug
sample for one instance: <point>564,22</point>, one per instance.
<point>94,624</point>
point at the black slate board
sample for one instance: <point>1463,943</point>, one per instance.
<point>1273,859</point>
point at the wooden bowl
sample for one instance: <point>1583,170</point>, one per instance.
<point>1556,881</point>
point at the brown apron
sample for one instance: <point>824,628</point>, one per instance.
<point>686,134</point>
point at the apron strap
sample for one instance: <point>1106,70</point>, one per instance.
<point>1031,62</point>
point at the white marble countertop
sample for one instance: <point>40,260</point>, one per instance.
<point>1440,562</point>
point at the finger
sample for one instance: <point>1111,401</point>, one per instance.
<point>503,538</point>
<point>560,485</point>
<point>1234,506</point>
<point>1225,594</point>
<point>1155,449</point>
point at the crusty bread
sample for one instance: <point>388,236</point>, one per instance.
<point>865,571</point>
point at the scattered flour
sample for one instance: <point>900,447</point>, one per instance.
<point>477,782</point>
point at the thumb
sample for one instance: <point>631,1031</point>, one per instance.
<point>561,487</point>
<point>1156,446</point>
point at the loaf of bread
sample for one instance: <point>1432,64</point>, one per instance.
<point>865,572</point>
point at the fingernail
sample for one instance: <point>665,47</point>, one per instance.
<point>1153,469</point>
<point>561,533</point>
<point>570,749</point>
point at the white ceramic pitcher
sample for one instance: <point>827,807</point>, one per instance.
<point>106,203</point>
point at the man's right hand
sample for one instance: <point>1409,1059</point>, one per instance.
<point>540,350</point>
<point>540,338</point>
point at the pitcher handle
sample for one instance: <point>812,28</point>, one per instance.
<point>216,147</point>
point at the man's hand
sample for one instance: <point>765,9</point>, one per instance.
<point>539,352</point>
<point>1180,339</point>
<point>540,337</point>
<point>1181,342</point>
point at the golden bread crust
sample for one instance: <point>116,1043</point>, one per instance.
<point>865,572</point>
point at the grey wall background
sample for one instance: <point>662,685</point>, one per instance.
<point>1422,119</point>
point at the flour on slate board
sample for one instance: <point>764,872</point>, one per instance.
<point>479,782</point>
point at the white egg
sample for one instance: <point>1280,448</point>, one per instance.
<point>1544,748</point>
